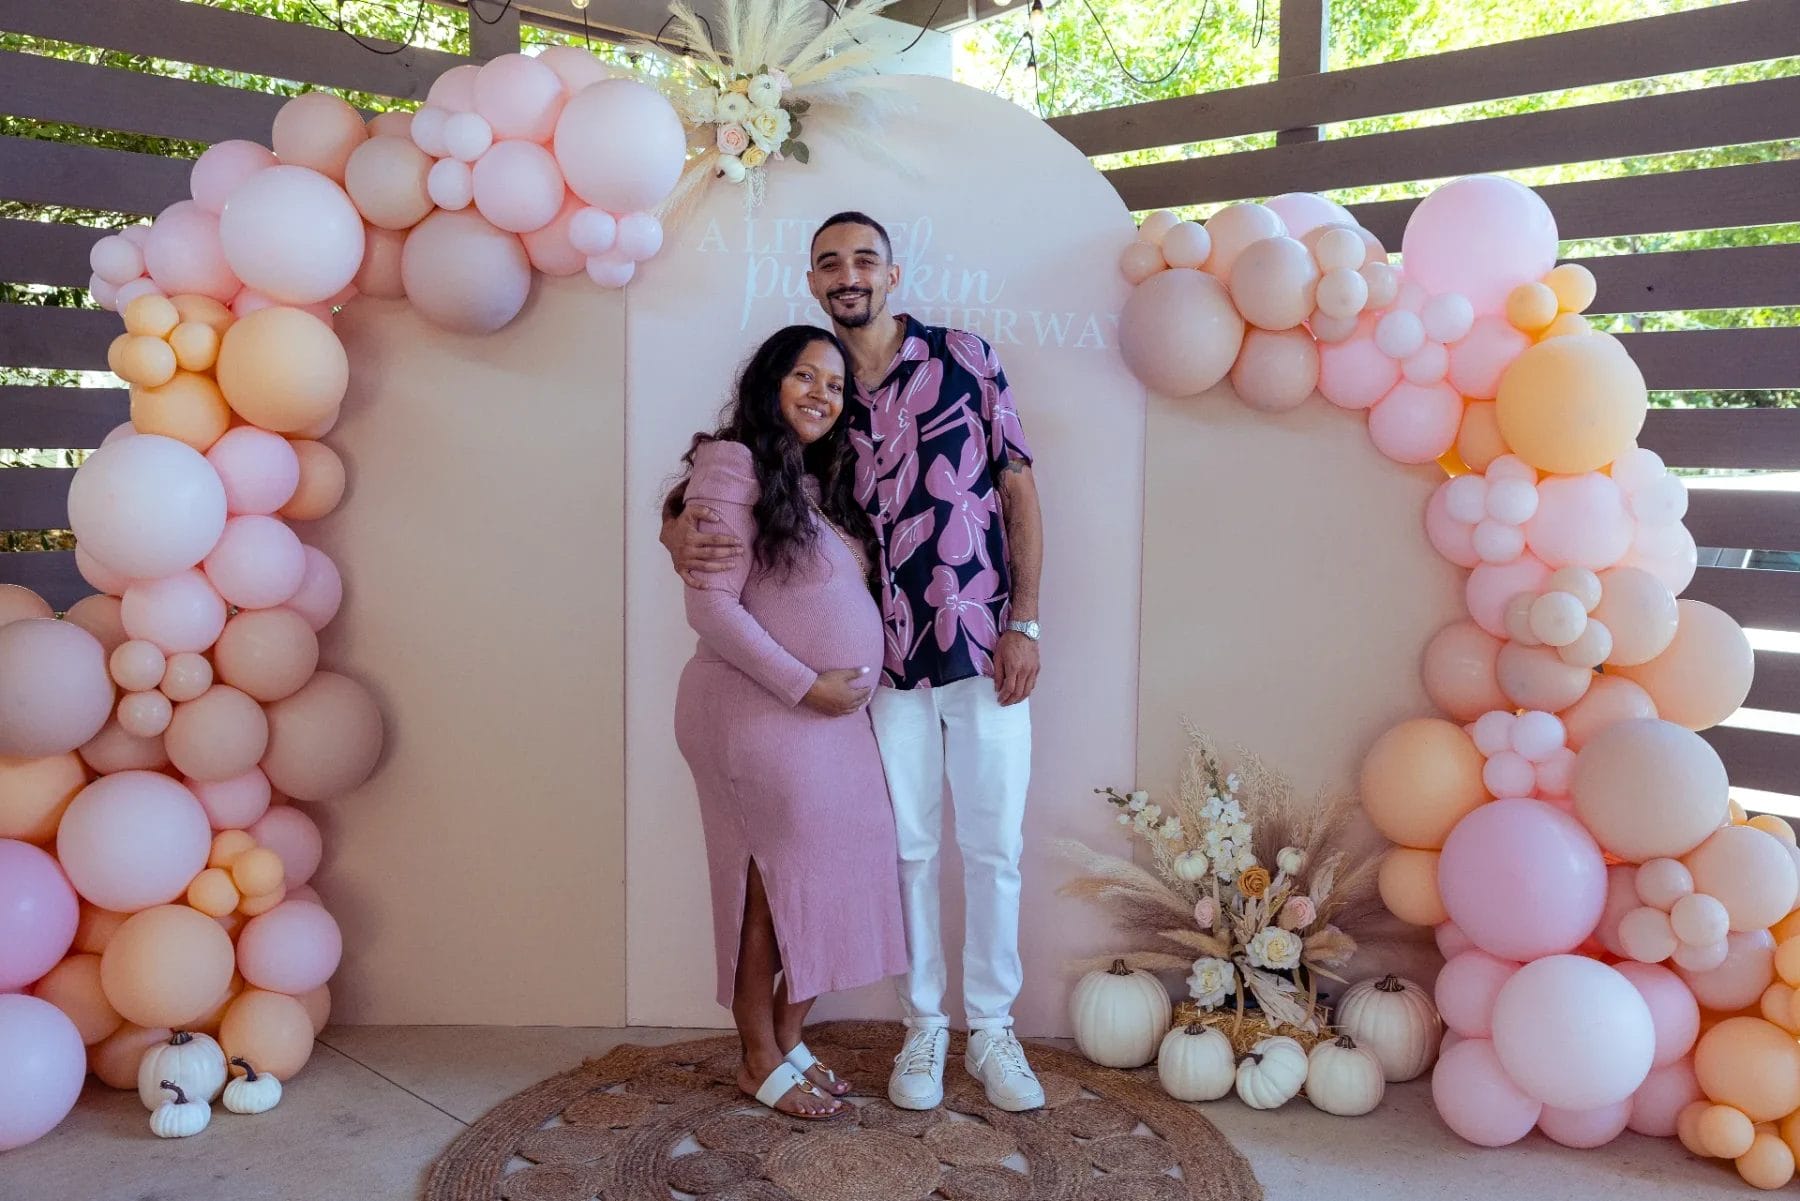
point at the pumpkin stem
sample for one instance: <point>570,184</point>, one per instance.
<point>1255,1057</point>
<point>180,1038</point>
<point>180,1097</point>
<point>1391,983</point>
<point>249,1072</point>
<point>1118,968</point>
<point>1342,1040</point>
<point>1196,1028</point>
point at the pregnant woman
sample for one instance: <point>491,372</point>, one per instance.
<point>772,718</point>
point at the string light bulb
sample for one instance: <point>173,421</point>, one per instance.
<point>579,5</point>
<point>1003,3</point>
<point>1031,68</point>
<point>1038,18</point>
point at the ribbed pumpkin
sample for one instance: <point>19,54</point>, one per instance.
<point>1394,1019</point>
<point>1272,1074</point>
<point>193,1061</point>
<point>1120,1016</point>
<point>1196,1063</point>
<point>1343,1078</point>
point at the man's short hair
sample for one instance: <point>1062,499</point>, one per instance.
<point>852,217</point>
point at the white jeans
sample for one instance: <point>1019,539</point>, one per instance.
<point>958,733</point>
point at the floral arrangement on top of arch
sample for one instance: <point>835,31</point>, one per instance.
<point>1623,945</point>
<point>156,918</point>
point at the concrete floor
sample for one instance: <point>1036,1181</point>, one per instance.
<point>377,1105</point>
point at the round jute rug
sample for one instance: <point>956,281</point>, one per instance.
<point>656,1123</point>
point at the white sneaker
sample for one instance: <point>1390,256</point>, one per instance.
<point>997,1060</point>
<point>917,1081</point>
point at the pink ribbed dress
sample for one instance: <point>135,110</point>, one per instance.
<point>800,794</point>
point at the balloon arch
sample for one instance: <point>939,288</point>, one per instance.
<point>1562,826</point>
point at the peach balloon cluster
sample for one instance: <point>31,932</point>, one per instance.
<point>515,164</point>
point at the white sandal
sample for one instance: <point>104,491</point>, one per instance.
<point>803,1059</point>
<point>783,1080</point>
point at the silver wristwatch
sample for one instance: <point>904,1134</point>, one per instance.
<point>1027,628</point>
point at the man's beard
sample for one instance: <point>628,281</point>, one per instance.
<point>855,320</point>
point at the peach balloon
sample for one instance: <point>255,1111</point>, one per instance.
<point>1751,1065</point>
<point>1180,333</point>
<point>395,123</point>
<point>324,740</point>
<point>267,653</point>
<point>137,665</point>
<point>201,310</point>
<point>1233,229</point>
<point>214,892</point>
<point>1640,612</point>
<point>318,1006</point>
<point>1777,1005</point>
<point>1276,370</point>
<point>258,905</point>
<point>1768,1164</point>
<point>379,275</point>
<point>115,749</point>
<point>1750,872</point>
<point>1704,675</point>
<point>196,346</point>
<point>166,966</point>
<point>1478,441</point>
<point>227,845</point>
<point>218,735</point>
<point>34,792</point>
<point>283,369</point>
<point>55,691</point>
<point>189,675</point>
<point>178,613</point>
<point>73,986</point>
<point>1725,1132</point>
<point>1408,886</point>
<point>1419,779</point>
<point>152,315</point>
<point>141,360</point>
<point>96,927</point>
<point>1667,1091</point>
<point>1572,405</point>
<point>270,1029</point>
<point>1777,827</point>
<point>321,482</point>
<point>385,177</point>
<point>1740,980</point>
<point>1610,700</point>
<point>115,1058</point>
<point>1649,789</point>
<point>1535,677</point>
<point>320,131</point>
<point>99,616</point>
<point>1139,261</point>
<point>1274,282</point>
<point>258,872</point>
<point>145,714</point>
<point>210,1022</point>
<point>291,835</point>
<point>1460,671</point>
<point>1187,244</point>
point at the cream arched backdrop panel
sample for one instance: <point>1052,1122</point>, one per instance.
<point>1000,227</point>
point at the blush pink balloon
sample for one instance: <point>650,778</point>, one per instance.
<point>1659,1100</point>
<point>463,274</point>
<point>217,736</point>
<point>116,260</point>
<point>1581,521</point>
<point>379,275</point>
<point>1673,1011</point>
<point>55,690</point>
<point>324,740</point>
<point>1477,1100</point>
<point>1585,1128</point>
<point>1491,587</point>
<point>305,892</point>
<point>292,234</point>
<point>1482,236</point>
<point>1179,332</point>
<point>133,839</point>
<point>259,470</point>
<point>147,506</point>
<point>145,714</point>
<point>518,186</point>
<point>1522,879</point>
<point>520,96</point>
<point>1303,212</point>
<point>321,590</point>
<point>293,948</point>
<point>221,168</point>
<point>620,146</point>
<point>116,749</point>
<point>235,803</point>
<point>1451,538</point>
<point>295,838</point>
<point>1481,357</point>
<point>550,249</point>
<point>1609,701</point>
<point>184,254</point>
<point>1465,991</point>
<point>1666,552</point>
<point>259,563</point>
<point>1573,1033</point>
<point>611,270</point>
<point>468,136</point>
<point>1354,374</point>
<point>594,231</point>
<point>574,66</point>
<point>640,237</point>
<point>1535,677</point>
<point>427,130</point>
<point>1737,983</point>
<point>1416,423</point>
<point>105,294</point>
<point>1451,941</point>
<point>180,612</point>
<point>38,913</point>
<point>385,179</point>
<point>46,1065</point>
<point>454,90</point>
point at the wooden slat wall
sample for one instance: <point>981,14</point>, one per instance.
<point>52,89</point>
<point>115,181</point>
<point>49,573</point>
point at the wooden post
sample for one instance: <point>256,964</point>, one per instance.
<point>1305,33</point>
<point>491,36</point>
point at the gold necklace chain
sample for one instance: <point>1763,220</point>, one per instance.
<point>857,553</point>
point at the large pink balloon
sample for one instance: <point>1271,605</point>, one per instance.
<point>1466,989</point>
<point>1451,538</point>
<point>219,735</point>
<point>1491,587</point>
<point>1581,521</point>
<point>45,1067</point>
<point>1573,1033</point>
<point>1303,212</point>
<point>1673,1010</point>
<point>463,274</point>
<point>1476,1099</point>
<point>184,254</point>
<point>1522,879</point>
<point>550,249</point>
<point>222,167</point>
<point>293,948</point>
<point>180,612</point>
<point>454,90</point>
<point>1179,332</point>
<point>55,690</point>
<point>1459,671</point>
<point>1737,983</point>
<point>620,145</point>
<point>258,563</point>
<point>1482,356</point>
<point>1354,374</point>
<point>324,740</point>
<point>38,913</point>
<point>147,506</point>
<point>132,840</point>
<point>575,66</point>
<point>236,803</point>
<point>1658,1102</point>
<point>1416,423</point>
<point>1666,552</point>
<point>518,186</point>
<point>1621,898</point>
<point>1481,236</point>
<point>1585,1128</point>
<point>321,590</point>
<point>1609,701</point>
<point>520,97</point>
<point>292,234</point>
<point>259,469</point>
<point>295,838</point>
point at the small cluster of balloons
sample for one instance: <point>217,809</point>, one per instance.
<point>520,163</point>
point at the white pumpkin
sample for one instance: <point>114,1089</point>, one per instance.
<point>180,1115</point>
<point>1196,1063</point>
<point>1272,1074</point>
<point>1343,1078</point>
<point>1394,1019</point>
<point>193,1061</point>
<point>252,1092</point>
<point>1120,1016</point>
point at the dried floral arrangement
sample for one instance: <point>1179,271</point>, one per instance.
<point>1249,890</point>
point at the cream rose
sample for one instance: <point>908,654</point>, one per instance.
<point>1211,981</point>
<point>764,92</point>
<point>769,128</point>
<point>754,157</point>
<point>733,140</point>
<point>733,107</point>
<point>1276,949</point>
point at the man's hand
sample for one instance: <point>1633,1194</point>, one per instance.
<point>1015,667</point>
<point>839,693</point>
<point>696,553</point>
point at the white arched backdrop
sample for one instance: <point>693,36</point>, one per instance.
<point>529,851</point>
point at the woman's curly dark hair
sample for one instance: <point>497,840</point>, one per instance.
<point>785,530</point>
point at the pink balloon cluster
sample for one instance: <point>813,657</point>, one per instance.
<point>1527,754</point>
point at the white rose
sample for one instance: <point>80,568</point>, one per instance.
<point>1290,860</point>
<point>1275,948</point>
<point>1211,981</point>
<point>732,140</point>
<point>733,106</point>
<point>765,92</point>
<point>700,106</point>
<point>769,127</point>
<point>1138,800</point>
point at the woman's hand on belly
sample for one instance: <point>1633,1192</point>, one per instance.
<point>840,692</point>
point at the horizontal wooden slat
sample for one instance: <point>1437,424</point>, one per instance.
<point>1737,517</point>
<point>1758,759</point>
<point>1765,110</point>
<point>1714,198</point>
<point>54,89</point>
<point>46,252</point>
<point>35,498</point>
<point>117,181</point>
<point>1776,685</point>
<point>1750,439</point>
<point>1696,360</point>
<point>1758,598</point>
<point>1749,277</point>
<point>60,418</point>
<point>33,335</point>
<point>49,573</point>
<point>195,33</point>
<point>1731,33</point>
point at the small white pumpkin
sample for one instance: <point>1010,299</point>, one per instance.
<point>1272,1074</point>
<point>1120,1016</point>
<point>181,1115</point>
<point>1394,1019</point>
<point>1196,1063</point>
<point>193,1061</point>
<point>1343,1078</point>
<point>251,1092</point>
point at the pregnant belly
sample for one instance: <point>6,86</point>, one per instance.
<point>840,628</point>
